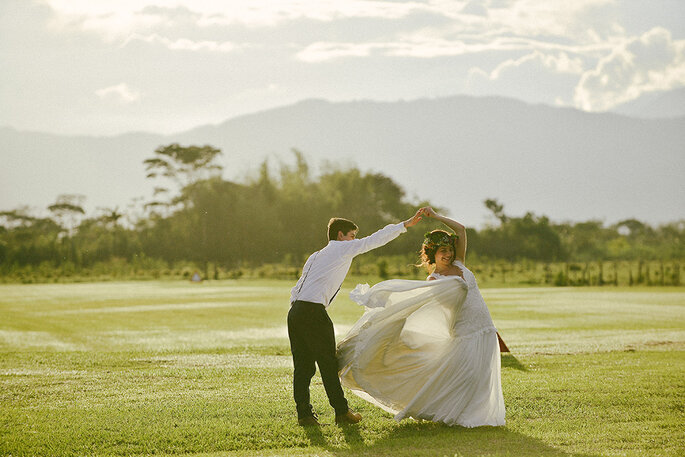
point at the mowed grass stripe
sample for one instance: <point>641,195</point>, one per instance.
<point>54,296</point>
<point>158,307</point>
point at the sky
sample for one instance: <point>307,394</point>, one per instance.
<point>106,67</point>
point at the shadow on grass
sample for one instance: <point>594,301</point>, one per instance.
<point>510,361</point>
<point>315,436</point>
<point>431,439</point>
<point>352,435</point>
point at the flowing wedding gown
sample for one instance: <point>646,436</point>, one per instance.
<point>427,350</point>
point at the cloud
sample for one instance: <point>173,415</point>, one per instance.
<point>576,42</point>
<point>556,63</point>
<point>475,8</point>
<point>269,12</point>
<point>467,26</point>
<point>415,48</point>
<point>651,62</point>
<point>474,28</point>
<point>570,19</point>
<point>427,45</point>
<point>120,94</point>
<point>121,17</point>
<point>538,77</point>
<point>319,52</point>
<point>113,21</point>
<point>185,44</point>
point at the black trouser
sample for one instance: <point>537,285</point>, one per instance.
<point>312,340</point>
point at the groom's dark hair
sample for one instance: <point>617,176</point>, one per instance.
<point>338,224</point>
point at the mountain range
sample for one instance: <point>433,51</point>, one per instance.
<point>655,105</point>
<point>454,151</point>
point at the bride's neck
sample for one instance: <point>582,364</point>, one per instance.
<point>441,269</point>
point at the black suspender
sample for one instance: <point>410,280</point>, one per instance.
<point>307,273</point>
<point>304,278</point>
<point>336,293</point>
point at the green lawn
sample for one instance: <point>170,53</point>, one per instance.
<point>142,368</point>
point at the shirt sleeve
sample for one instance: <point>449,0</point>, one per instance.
<point>375,240</point>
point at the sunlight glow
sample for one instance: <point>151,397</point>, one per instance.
<point>651,62</point>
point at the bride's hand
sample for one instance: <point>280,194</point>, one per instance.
<point>428,211</point>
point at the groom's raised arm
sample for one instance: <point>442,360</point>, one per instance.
<point>382,236</point>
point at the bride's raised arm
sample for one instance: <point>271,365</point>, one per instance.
<point>459,230</point>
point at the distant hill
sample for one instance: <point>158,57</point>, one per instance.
<point>655,105</point>
<point>457,151</point>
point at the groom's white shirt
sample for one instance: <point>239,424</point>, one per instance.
<point>325,270</point>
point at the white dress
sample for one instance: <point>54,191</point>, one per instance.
<point>427,350</point>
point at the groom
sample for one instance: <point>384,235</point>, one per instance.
<point>312,339</point>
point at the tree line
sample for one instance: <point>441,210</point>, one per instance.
<point>279,217</point>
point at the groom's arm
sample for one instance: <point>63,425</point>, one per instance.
<point>382,236</point>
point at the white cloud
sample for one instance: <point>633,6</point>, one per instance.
<point>426,45</point>
<point>119,93</point>
<point>475,8</point>
<point>111,20</point>
<point>651,62</point>
<point>476,73</point>
<point>421,48</point>
<point>536,77</point>
<point>319,52</point>
<point>559,63</point>
<point>269,12</point>
<point>521,17</point>
<point>516,25</point>
<point>551,17</point>
<point>122,17</point>
<point>184,44</point>
<point>559,42</point>
<point>574,20</point>
<point>543,26</point>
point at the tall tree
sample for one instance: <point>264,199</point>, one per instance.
<point>497,209</point>
<point>181,165</point>
<point>68,209</point>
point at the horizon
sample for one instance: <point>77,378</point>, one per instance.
<point>351,101</point>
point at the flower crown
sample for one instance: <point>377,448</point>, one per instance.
<point>435,239</point>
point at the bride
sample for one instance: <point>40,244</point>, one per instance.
<point>427,349</point>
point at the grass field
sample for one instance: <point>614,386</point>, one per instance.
<point>172,368</point>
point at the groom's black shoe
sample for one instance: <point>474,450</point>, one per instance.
<point>307,421</point>
<point>350,417</point>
